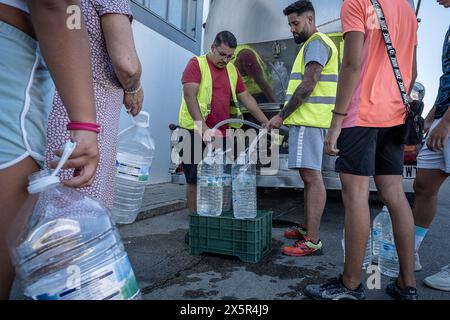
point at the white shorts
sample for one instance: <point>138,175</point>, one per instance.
<point>440,159</point>
<point>306,147</point>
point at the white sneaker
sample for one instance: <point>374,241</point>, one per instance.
<point>417,265</point>
<point>440,280</point>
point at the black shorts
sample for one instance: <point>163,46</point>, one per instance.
<point>190,167</point>
<point>370,151</point>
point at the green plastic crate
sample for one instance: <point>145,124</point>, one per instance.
<point>248,239</point>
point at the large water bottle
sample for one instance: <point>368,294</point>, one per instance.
<point>367,254</point>
<point>244,188</point>
<point>64,245</point>
<point>210,186</point>
<point>376,233</point>
<point>134,159</point>
<point>388,258</point>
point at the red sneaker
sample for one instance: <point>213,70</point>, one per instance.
<point>296,232</point>
<point>303,248</point>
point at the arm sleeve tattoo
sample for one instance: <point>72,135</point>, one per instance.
<point>312,74</point>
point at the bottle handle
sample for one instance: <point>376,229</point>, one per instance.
<point>142,114</point>
<point>69,147</point>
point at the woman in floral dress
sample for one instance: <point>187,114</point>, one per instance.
<point>116,75</point>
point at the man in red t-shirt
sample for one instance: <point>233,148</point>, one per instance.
<point>206,109</point>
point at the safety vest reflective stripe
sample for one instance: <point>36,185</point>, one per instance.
<point>323,77</point>
<point>317,100</point>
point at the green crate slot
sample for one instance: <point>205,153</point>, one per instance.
<point>248,239</point>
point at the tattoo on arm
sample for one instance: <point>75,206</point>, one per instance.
<point>312,74</point>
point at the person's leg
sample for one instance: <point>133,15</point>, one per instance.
<point>431,174</point>
<point>305,154</point>
<point>190,173</point>
<point>305,202</point>
<point>191,197</point>
<point>355,164</point>
<point>355,195</point>
<point>13,183</point>
<point>426,190</point>
<point>389,182</point>
<point>390,188</point>
<point>315,199</point>
<point>296,136</point>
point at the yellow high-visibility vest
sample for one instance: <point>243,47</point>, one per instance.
<point>338,41</point>
<point>316,110</point>
<point>204,96</point>
<point>250,83</point>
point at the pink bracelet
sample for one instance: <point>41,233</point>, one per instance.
<point>87,126</point>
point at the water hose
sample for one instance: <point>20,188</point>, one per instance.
<point>252,146</point>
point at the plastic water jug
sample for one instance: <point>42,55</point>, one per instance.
<point>244,188</point>
<point>388,259</point>
<point>65,246</point>
<point>376,233</point>
<point>134,159</point>
<point>210,185</point>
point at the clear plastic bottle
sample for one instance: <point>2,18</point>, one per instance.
<point>376,233</point>
<point>210,186</point>
<point>388,258</point>
<point>368,252</point>
<point>64,246</point>
<point>134,159</point>
<point>244,188</point>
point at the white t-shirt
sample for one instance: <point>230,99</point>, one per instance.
<point>19,4</point>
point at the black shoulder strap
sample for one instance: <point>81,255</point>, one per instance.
<point>391,53</point>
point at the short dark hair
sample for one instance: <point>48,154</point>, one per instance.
<point>227,38</point>
<point>299,8</point>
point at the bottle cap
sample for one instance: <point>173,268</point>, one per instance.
<point>46,181</point>
<point>209,159</point>
<point>385,208</point>
<point>42,184</point>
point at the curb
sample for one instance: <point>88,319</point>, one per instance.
<point>157,210</point>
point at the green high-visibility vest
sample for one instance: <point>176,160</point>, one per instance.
<point>204,96</point>
<point>251,85</point>
<point>316,110</point>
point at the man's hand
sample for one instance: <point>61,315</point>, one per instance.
<point>206,133</point>
<point>445,3</point>
<point>84,159</point>
<point>209,134</point>
<point>331,141</point>
<point>439,136</point>
<point>427,124</point>
<point>133,102</point>
<point>275,123</point>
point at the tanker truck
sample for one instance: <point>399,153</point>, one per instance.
<point>261,27</point>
